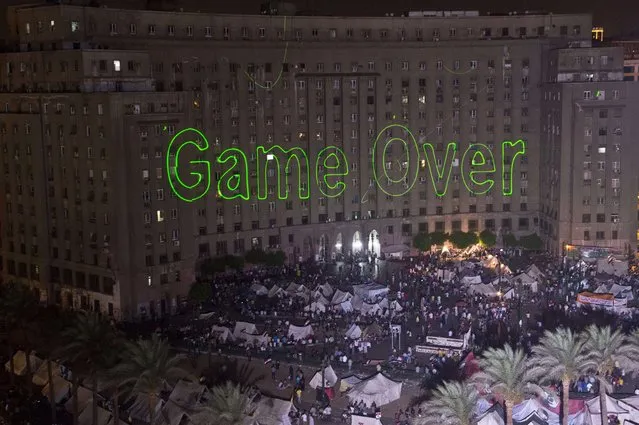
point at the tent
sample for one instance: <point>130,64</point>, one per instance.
<point>373,329</point>
<point>61,388</point>
<point>315,307</point>
<point>20,363</point>
<point>347,382</point>
<point>340,297</point>
<point>370,290</point>
<point>395,307</point>
<point>326,290</point>
<point>492,417</point>
<point>184,399</point>
<point>618,291</point>
<point>330,378</point>
<point>354,332</point>
<point>346,307</point>
<point>524,280</point>
<point>614,267</point>
<point>471,280</point>
<point>222,332</point>
<point>486,289</point>
<point>299,332</point>
<point>259,289</point>
<point>378,389</point>
<point>139,410</point>
<point>624,411</point>
<point>364,420</point>
<point>534,272</point>
<point>244,327</point>
<point>271,411</point>
<point>86,417</point>
<point>276,291</point>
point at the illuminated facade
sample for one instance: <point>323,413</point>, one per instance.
<point>93,96</point>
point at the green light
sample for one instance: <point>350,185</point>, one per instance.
<point>520,147</point>
<point>279,75</point>
<point>273,154</point>
<point>437,174</point>
<point>338,169</point>
<point>407,175</point>
<point>479,151</point>
<point>231,181</point>
<point>186,192</point>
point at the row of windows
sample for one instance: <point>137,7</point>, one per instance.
<point>600,218</point>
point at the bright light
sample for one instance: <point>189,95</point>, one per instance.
<point>270,157</point>
<point>499,294</point>
<point>357,245</point>
<point>338,245</point>
<point>116,65</point>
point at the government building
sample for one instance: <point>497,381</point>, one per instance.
<point>91,97</point>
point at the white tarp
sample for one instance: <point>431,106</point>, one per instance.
<point>373,309</point>
<point>534,272</point>
<point>222,333</point>
<point>184,399</point>
<point>491,418</point>
<point>618,291</point>
<point>370,290</point>
<point>20,363</point>
<point>271,411</point>
<point>364,420</point>
<point>354,332</point>
<point>615,267</point>
<point>259,289</point>
<point>395,307</point>
<point>378,389</point>
<point>346,307</point>
<point>244,327</point>
<point>471,280</point>
<point>319,298</point>
<point>275,291</point>
<point>326,290</point>
<point>347,382</point>
<point>330,378</point>
<point>299,332</point>
<point>524,280</point>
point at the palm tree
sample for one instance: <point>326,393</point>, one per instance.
<point>148,366</point>
<point>241,374</point>
<point>607,349</point>
<point>507,374</point>
<point>560,356</point>
<point>91,341</point>
<point>227,405</point>
<point>452,402</point>
<point>19,309</point>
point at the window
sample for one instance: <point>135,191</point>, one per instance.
<point>116,65</point>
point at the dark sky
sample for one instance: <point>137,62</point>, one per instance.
<point>617,16</point>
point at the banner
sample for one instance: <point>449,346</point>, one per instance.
<point>445,342</point>
<point>602,300</point>
<point>430,349</point>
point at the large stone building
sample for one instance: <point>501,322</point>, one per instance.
<point>93,96</point>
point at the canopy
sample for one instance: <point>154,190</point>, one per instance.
<point>275,291</point>
<point>373,329</point>
<point>340,297</point>
<point>525,280</point>
<point>471,280</point>
<point>330,378</point>
<point>315,307</point>
<point>85,397</point>
<point>377,389</point>
<point>347,382</point>
<point>184,399</point>
<point>41,377</point>
<point>299,332</point>
<point>534,272</point>
<point>222,332</point>
<point>354,332</point>
<point>244,327</point>
<point>370,290</point>
<point>346,307</point>
<point>364,420</point>
<point>326,290</point>
<point>483,289</point>
<point>20,363</point>
<point>61,387</point>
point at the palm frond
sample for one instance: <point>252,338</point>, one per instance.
<point>451,402</point>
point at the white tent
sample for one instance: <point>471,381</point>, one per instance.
<point>244,327</point>
<point>525,280</point>
<point>222,332</point>
<point>293,287</point>
<point>299,332</point>
<point>621,409</point>
<point>340,297</point>
<point>256,339</point>
<point>370,290</point>
<point>354,332</point>
<point>471,280</point>
<point>373,309</point>
<point>326,290</point>
<point>364,420</point>
<point>275,291</point>
<point>618,291</point>
<point>378,389</point>
<point>259,289</point>
<point>271,411</point>
<point>534,272</point>
<point>616,267</point>
<point>330,378</point>
<point>184,399</point>
<point>486,289</point>
<point>20,363</point>
<point>395,307</point>
<point>346,307</point>
<point>491,418</point>
<point>347,382</point>
<point>319,298</point>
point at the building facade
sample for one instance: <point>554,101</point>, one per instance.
<point>93,96</point>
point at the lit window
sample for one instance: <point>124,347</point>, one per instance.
<point>160,215</point>
<point>75,26</point>
<point>601,149</point>
<point>116,65</point>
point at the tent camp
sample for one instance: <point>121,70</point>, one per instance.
<point>354,332</point>
<point>20,363</point>
<point>139,410</point>
<point>612,267</point>
<point>299,332</point>
<point>525,280</point>
<point>377,389</point>
<point>330,378</point>
<point>372,330</point>
<point>271,411</point>
<point>340,297</point>
<point>534,272</point>
<point>326,290</point>
<point>618,291</point>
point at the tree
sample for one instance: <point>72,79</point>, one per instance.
<point>463,239</point>
<point>90,346</point>
<point>421,241</point>
<point>276,258</point>
<point>531,242</point>
<point>510,240</point>
<point>560,356</point>
<point>148,367</point>
<point>200,292</point>
<point>227,405</point>
<point>242,375</point>
<point>606,349</point>
<point>487,238</point>
<point>452,402</point>
<point>255,256</point>
<point>506,373</point>
<point>438,238</point>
